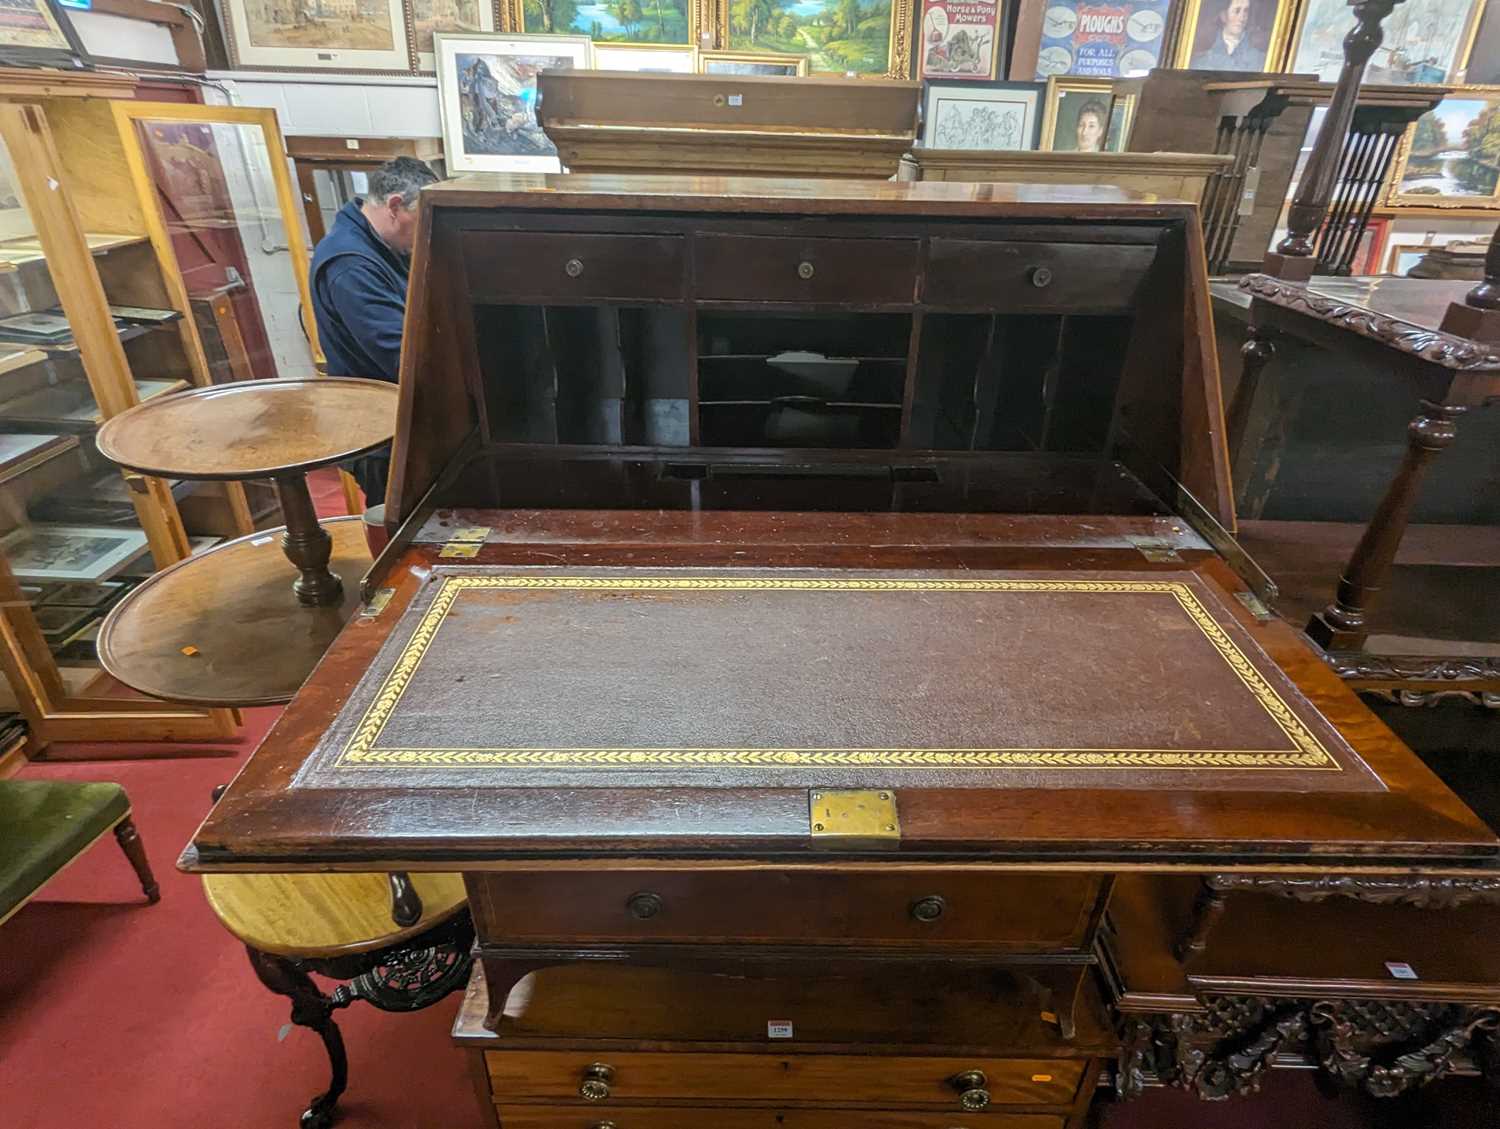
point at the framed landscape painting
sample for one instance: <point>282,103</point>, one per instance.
<point>607,21</point>
<point>312,35</point>
<point>487,98</point>
<point>1450,157</point>
<point>989,117</point>
<point>428,17</point>
<point>859,37</point>
<point>1422,41</point>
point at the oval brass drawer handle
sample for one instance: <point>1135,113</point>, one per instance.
<point>596,1079</point>
<point>643,905</point>
<point>929,908</point>
<point>573,268</point>
<point>970,1085</point>
<point>805,270</point>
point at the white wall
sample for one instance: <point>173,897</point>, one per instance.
<point>337,105</point>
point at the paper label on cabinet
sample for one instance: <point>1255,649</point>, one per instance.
<point>736,99</point>
<point>1401,970</point>
<point>778,1028</point>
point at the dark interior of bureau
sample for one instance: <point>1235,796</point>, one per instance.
<point>942,366</point>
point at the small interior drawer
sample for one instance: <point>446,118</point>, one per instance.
<point>833,1080</point>
<point>1014,912</point>
<point>513,266</point>
<point>767,1117</point>
<point>848,272</point>
<point>1020,277</point>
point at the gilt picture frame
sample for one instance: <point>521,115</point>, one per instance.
<point>1265,32</point>
<point>348,36</point>
<point>862,38</point>
<point>1086,115</point>
<point>426,18</point>
<point>665,22</point>
<point>759,63</point>
<point>487,98</point>
<point>1443,158</point>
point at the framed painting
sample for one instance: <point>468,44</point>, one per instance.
<point>645,58</point>
<point>38,33</point>
<point>1482,56</point>
<point>317,35</point>
<point>990,116</point>
<point>961,39</point>
<point>1234,35</point>
<point>1423,40</point>
<point>767,64</point>
<point>425,18</point>
<point>603,21</point>
<point>46,553</point>
<point>1084,115</point>
<point>487,98</point>
<point>851,37</point>
<point>1123,40</point>
<point>1401,257</point>
<point>1448,158</point>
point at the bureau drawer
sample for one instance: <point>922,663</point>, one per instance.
<point>835,1080</point>
<point>1005,912</point>
<point>758,268</point>
<point>1034,277</point>
<point>512,266</point>
<point>769,1117</point>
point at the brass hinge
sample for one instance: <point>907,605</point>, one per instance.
<point>844,815</point>
<point>465,543</point>
<point>1157,550</point>
<point>1255,605</point>
<point>377,603</point>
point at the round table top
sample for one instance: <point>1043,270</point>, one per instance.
<point>224,629</point>
<point>253,428</point>
<point>325,915</point>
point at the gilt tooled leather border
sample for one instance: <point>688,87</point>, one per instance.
<point>1305,751</point>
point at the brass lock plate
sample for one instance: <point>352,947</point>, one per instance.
<point>841,814</point>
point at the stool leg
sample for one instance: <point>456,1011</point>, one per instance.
<point>310,1008</point>
<point>130,842</point>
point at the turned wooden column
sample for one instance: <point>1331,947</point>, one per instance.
<point>1294,258</point>
<point>306,543</point>
<point>1257,352</point>
<point>1478,315</point>
<point>1342,624</point>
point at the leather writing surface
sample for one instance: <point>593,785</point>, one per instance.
<point>752,678</point>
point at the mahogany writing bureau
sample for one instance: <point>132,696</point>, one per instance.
<point>816,576</point>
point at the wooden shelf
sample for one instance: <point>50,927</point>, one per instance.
<point>16,253</point>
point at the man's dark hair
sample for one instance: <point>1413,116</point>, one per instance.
<point>401,175</point>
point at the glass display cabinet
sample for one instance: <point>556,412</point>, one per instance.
<point>92,322</point>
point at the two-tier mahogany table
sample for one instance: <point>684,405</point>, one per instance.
<point>817,582</point>
<point>245,622</point>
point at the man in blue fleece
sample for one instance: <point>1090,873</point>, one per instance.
<point>358,287</point>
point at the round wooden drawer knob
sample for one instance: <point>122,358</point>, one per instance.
<point>643,906</point>
<point>1041,276</point>
<point>596,1079</point>
<point>970,1085</point>
<point>929,908</point>
<point>805,270</point>
<point>573,268</point>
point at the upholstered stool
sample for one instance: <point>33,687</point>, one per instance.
<point>46,824</point>
<point>348,927</point>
